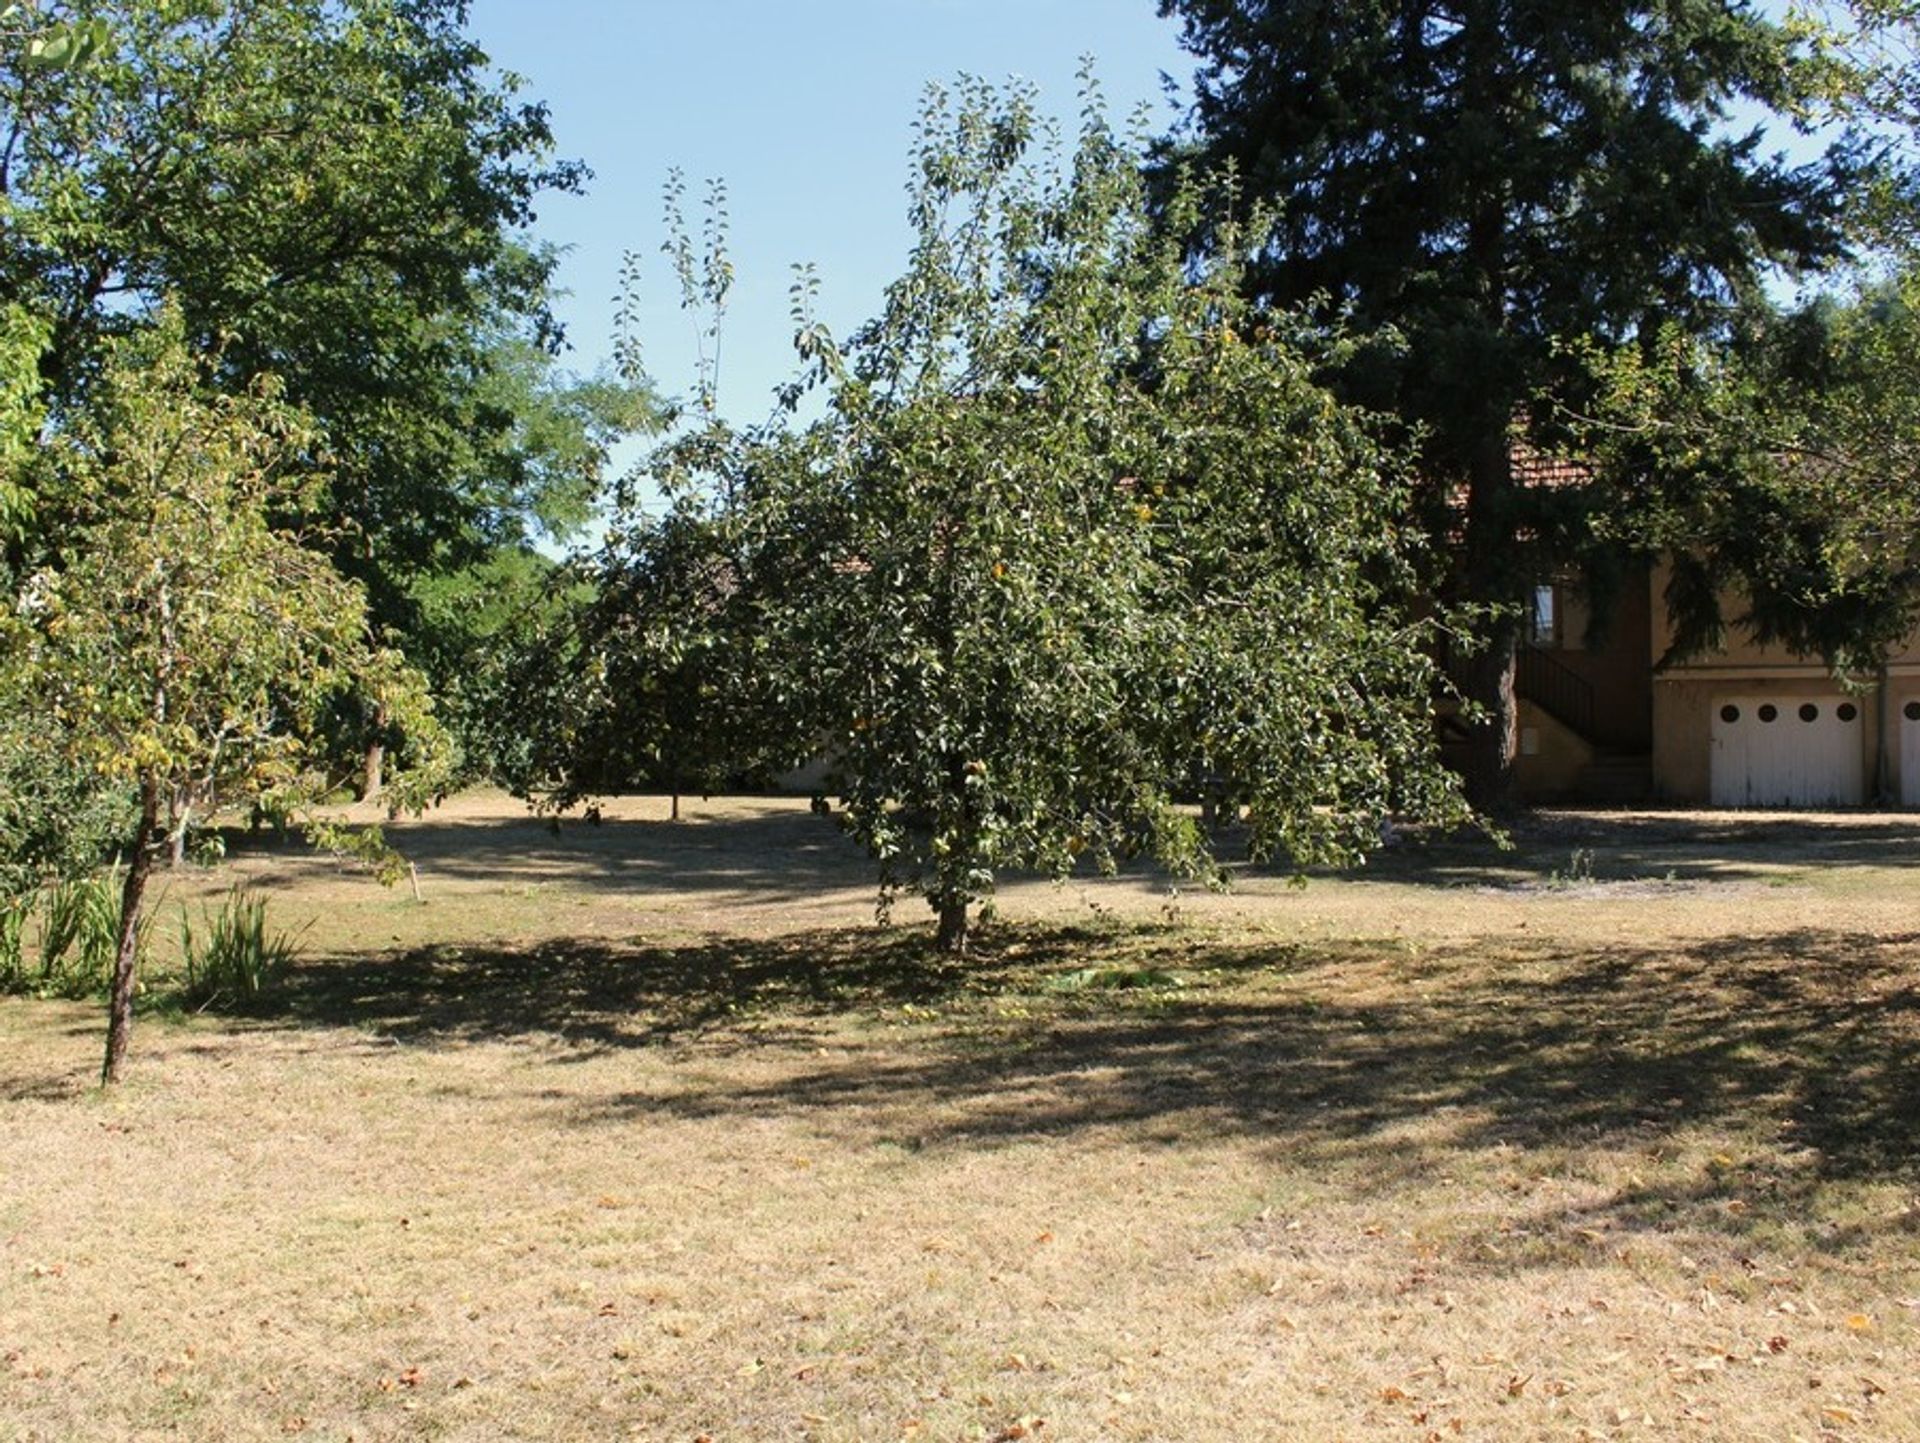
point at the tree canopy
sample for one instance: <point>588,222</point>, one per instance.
<point>1077,531</point>
<point>1782,473</point>
<point>333,194</point>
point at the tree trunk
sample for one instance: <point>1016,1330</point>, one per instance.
<point>177,823</point>
<point>373,772</point>
<point>1495,577</point>
<point>1493,741</point>
<point>126,959</point>
<point>1498,566</point>
<point>952,936</point>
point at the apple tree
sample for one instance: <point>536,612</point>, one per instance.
<point>176,642</point>
<point>1077,531</point>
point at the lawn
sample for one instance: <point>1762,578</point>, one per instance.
<point>645,1131</point>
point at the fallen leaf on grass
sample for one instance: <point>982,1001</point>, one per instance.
<point>1839,1415</point>
<point>1859,1323</point>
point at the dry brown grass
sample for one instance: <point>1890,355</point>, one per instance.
<point>645,1132</point>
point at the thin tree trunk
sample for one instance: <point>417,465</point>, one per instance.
<point>1494,739</point>
<point>1494,577</point>
<point>952,935</point>
<point>127,957</point>
<point>373,772</point>
<point>177,833</point>
<point>1883,788</point>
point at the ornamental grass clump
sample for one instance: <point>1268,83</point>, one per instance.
<point>79,934</point>
<point>13,927</point>
<point>237,960</point>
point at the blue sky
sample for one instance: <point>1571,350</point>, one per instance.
<point>804,109</point>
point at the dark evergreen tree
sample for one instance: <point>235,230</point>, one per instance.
<point>1488,181</point>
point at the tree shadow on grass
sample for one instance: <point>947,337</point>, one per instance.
<point>1583,848</point>
<point>773,849</point>
<point>1355,1056</point>
<point>600,996</point>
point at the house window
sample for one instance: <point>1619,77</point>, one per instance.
<point>1545,631</point>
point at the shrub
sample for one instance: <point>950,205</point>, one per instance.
<point>79,933</point>
<point>13,927</point>
<point>239,959</point>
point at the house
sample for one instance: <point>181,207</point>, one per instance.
<point>1601,720</point>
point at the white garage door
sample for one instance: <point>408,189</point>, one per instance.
<point>1910,754</point>
<point>1774,751</point>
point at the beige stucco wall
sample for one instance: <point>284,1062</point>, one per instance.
<point>1558,755</point>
